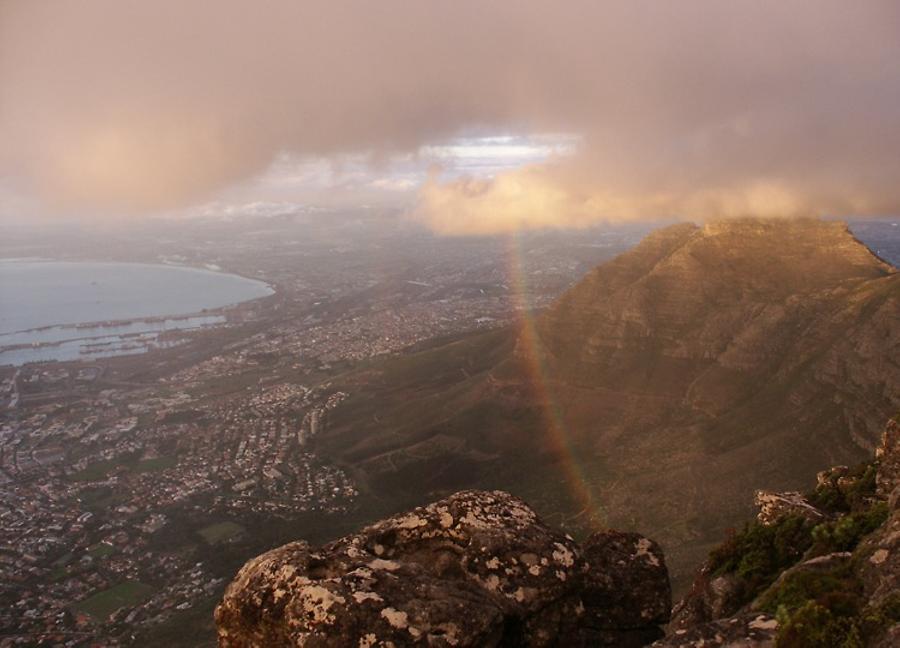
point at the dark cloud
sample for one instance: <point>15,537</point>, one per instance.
<point>691,108</point>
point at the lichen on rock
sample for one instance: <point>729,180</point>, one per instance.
<point>476,569</point>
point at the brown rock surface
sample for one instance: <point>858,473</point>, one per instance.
<point>475,569</point>
<point>774,506</point>
<point>743,631</point>
<point>626,592</point>
<point>711,597</point>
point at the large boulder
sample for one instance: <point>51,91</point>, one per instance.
<point>475,569</point>
<point>626,592</point>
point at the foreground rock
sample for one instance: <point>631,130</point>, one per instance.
<point>475,569</point>
<point>741,631</point>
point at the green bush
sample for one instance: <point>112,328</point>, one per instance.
<point>846,532</point>
<point>759,553</point>
<point>838,590</point>
<point>825,610</point>
<point>875,619</point>
<point>857,492</point>
<point>829,498</point>
<point>860,493</point>
<point>815,626</point>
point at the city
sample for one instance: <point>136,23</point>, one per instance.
<point>121,476</point>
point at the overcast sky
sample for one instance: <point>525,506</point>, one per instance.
<point>610,110</point>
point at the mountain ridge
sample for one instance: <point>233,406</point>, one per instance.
<point>665,386</point>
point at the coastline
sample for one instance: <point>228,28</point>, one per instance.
<point>123,335</point>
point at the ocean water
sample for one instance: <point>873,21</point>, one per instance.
<point>54,303</point>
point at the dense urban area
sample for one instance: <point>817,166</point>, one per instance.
<point>132,487</point>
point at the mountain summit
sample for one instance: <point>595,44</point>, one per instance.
<point>707,318</point>
<point>656,394</point>
<point>692,293</point>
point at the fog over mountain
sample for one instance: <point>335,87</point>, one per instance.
<point>691,109</point>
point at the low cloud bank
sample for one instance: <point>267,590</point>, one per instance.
<point>697,108</point>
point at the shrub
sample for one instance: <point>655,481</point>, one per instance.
<point>855,493</point>
<point>759,553</point>
<point>875,619</point>
<point>815,626</point>
<point>837,590</point>
<point>824,610</point>
<point>860,493</point>
<point>846,532</point>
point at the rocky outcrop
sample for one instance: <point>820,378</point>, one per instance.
<point>842,584</point>
<point>742,631</point>
<point>481,569</point>
<point>475,569</point>
<point>712,596</point>
<point>775,506</point>
<point>626,592</point>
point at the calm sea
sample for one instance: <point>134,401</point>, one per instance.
<point>43,301</point>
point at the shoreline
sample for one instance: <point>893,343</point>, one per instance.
<point>148,328</point>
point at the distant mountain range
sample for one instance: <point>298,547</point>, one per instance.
<point>656,394</point>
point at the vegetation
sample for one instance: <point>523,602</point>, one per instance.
<point>856,490</point>
<point>156,464</point>
<point>834,588</point>
<point>845,533</point>
<point>759,553</point>
<point>221,532</point>
<point>822,605</point>
<point>101,550</point>
<point>100,470</point>
<point>104,603</point>
<point>827,610</point>
<point>815,626</point>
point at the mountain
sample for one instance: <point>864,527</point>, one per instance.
<point>656,395</point>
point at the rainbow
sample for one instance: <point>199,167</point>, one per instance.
<point>555,427</point>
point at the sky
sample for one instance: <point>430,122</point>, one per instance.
<point>478,117</point>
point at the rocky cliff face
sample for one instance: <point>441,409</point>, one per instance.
<point>475,569</point>
<point>709,315</point>
<point>741,351</point>
<point>815,570</point>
